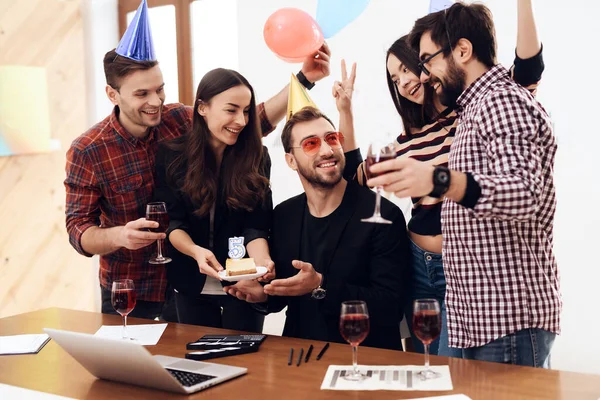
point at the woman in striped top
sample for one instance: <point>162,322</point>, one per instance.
<point>428,133</point>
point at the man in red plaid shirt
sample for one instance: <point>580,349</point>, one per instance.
<point>503,293</point>
<point>110,173</point>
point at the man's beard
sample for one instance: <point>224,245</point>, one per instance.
<point>454,84</point>
<point>317,180</point>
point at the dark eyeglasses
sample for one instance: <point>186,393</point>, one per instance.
<point>311,146</point>
<point>424,61</point>
<point>448,47</point>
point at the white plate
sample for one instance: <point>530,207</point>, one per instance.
<point>260,271</point>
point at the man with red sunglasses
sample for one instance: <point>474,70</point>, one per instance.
<point>323,252</point>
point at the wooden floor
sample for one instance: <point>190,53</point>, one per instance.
<point>38,267</point>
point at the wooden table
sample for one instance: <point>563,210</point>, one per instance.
<point>269,376</point>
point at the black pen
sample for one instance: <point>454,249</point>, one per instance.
<point>291,355</point>
<point>308,353</point>
<point>322,351</point>
<point>300,357</point>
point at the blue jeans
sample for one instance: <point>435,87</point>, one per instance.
<point>428,282</point>
<point>528,347</point>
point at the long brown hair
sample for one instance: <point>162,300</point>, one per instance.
<point>414,116</point>
<point>240,182</point>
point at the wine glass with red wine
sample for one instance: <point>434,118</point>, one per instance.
<point>123,300</point>
<point>427,325</point>
<point>158,212</point>
<point>354,327</point>
<point>378,151</point>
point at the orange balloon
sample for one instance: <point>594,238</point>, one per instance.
<point>292,34</point>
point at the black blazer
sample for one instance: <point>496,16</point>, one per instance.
<point>365,262</point>
<point>183,272</point>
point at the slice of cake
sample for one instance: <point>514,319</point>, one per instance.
<point>242,266</point>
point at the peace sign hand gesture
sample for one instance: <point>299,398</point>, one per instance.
<point>342,91</point>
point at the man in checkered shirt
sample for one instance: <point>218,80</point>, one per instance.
<point>503,293</point>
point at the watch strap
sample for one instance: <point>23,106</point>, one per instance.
<point>305,82</point>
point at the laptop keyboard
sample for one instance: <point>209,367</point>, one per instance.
<point>188,379</point>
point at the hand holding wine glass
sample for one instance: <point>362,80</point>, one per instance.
<point>427,325</point>
<point>123,300</point>
<point>354,327</point>
<point>158,212</point>
<point>379,151</point>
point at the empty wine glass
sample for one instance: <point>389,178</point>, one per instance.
<point>427,325</point>
<point>123,300</point>
<point>354,327</point>
<point>379,150</point>
<point>158,212</point>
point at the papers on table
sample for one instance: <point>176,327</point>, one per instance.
<point>22,344</point>
<point>391,377</point>
<point>145,334</point>
<point>14,392</point>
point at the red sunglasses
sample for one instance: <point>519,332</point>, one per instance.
<point>311,146</point>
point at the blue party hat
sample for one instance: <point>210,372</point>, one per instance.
<point>137,43</point>
<point>439,5</point>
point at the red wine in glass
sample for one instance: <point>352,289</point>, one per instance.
<point>123,300</point>
<point>157,211</point>
<point>354,328</point>
<point>373,159</point>
<point>161,217</point>
<point>427,324</point>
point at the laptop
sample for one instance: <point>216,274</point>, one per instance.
<point>129,362</point>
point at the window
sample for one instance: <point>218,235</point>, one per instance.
<point>170,23</point>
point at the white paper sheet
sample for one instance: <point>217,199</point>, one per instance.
<point>14,392</point>
<point>389,377</point>
<point>22,344</point>
<point>145,334</point>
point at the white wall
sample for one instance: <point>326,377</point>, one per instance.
<point>568,30</point>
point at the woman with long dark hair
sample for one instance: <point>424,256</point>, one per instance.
<point>215,182</point>
<point>429,129</point>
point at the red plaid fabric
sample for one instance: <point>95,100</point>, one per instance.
<point>499,262</point>
<point>110,179</point>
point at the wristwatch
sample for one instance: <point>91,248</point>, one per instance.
<point>441,181</point>
<point>305,82</point>
<point>319,293</point>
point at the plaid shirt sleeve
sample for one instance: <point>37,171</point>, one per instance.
<point>265,125</point>
<point>513,184</point>
<point>82,203</point>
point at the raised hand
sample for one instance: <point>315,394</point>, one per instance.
<point>342,91</point>
<point>316,66</point>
